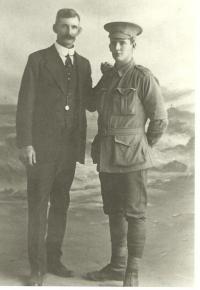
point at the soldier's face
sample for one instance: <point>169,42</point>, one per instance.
<point>121,49</point>
<point>67,30</point>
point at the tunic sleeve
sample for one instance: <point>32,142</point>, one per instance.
<point>154,106</point>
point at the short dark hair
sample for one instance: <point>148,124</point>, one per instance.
<point>67,13</point>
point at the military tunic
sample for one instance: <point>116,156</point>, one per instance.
<point>125,99</point>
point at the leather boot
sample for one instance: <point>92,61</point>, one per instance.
<point>118,235</point>
<point>36,279</point>
<point>106,273</point>
<point>115,270</point>
<point>131,279</point>
<point>56,267</point>
<point>136,241</point>
<point>131,275</point>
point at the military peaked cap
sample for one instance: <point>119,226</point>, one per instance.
<point>122,29</point>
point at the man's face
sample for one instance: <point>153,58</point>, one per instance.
<point>121,49</point>
<point>67,30</point>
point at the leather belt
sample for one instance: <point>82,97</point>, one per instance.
<point>121,131</point>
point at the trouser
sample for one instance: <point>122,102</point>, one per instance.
<point>124,201</point>
<point>46,228</point>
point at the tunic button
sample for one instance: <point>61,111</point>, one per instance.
<point>66,108</point>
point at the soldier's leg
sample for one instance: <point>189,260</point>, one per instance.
<point>118,232</point>
<point>136,201</point>
<point>57,217</point>
<point>39,182</point>
<point>113,202</point>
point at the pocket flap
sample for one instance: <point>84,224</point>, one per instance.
<point>128,151</point>
<point>125,140</point>
<point>125,91</point>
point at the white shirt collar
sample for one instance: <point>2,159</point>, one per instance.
<point>64,51</point>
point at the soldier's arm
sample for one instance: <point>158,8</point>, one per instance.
<point>155,109</point>
<point>155,130</point>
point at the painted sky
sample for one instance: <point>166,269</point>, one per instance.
<point>167,45</point>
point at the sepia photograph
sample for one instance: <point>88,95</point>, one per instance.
<point>97,143</point>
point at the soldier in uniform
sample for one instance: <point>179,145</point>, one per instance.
<point>51,135</point>
<point>126,97</point>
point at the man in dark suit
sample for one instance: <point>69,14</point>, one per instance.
<point>51,135</point>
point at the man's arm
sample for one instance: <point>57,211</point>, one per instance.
<point>92,95</point>
<point>153,102</point>
<point>24,115</point>
<point>155,130</point>
<point>90,100</point>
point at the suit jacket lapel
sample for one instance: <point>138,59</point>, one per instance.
<point>80,72</point>
<point>56,67</point>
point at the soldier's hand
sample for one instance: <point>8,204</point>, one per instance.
<point>105,66</point>
<point>27,155</point>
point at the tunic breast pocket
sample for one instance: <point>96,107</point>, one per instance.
<point>124,101</point>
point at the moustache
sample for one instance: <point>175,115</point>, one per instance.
<point>68,37</point>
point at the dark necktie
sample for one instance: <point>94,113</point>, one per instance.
<point>68,66</point>
<point>68,62</point>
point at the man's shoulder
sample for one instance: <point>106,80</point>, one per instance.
<point>39,53</point>
<point>145,73</point>
<point>82,58</point>
<point>142,70</point>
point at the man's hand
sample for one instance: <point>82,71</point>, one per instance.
<point>155,130</point>
<point>27,155</point>
<point>105,66</point>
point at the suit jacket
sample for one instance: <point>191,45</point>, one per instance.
<point>41,101</point>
